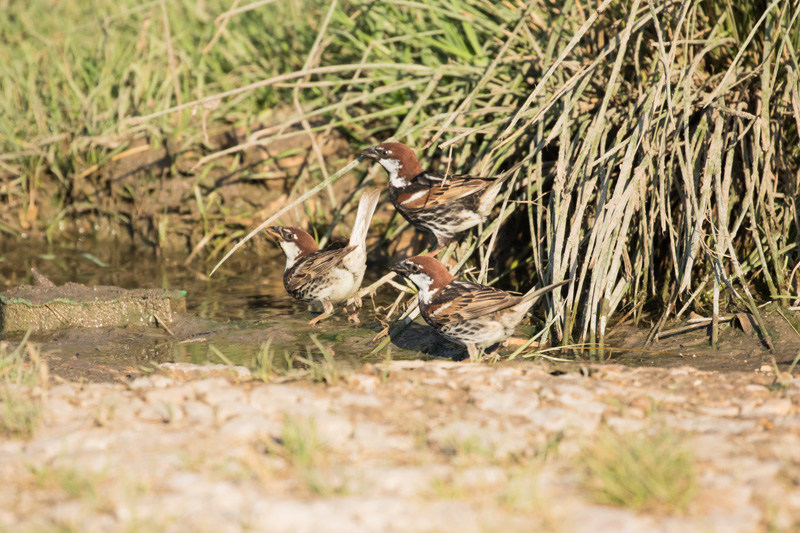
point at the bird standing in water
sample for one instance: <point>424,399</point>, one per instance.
<point>332,275</point>
<point>470,314</point>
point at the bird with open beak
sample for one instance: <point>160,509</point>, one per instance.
<point>443,206</point>
<point>332,275</point>
<point>470,314</point>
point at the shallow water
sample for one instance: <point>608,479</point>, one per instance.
<point>234,313</point>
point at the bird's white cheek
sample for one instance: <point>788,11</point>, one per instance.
<point>291,250</point>
<point>392,166</point>
<point>423,283</point>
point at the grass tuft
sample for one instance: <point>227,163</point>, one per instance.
<point>20,370</point>
<point>641,471</point>
<point>300,446</point>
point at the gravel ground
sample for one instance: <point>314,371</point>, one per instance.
<point>404,446</point>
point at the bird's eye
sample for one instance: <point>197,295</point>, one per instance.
<point>292,236</point>
<point>415,267</point>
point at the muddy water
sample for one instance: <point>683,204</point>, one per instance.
<point>232,316</point>
<point>229,317</point>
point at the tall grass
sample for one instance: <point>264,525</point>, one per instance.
<point>655,143</point>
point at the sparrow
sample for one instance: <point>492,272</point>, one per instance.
<point>332,275</point>
<point>431,203</point>
<point>470,314</point>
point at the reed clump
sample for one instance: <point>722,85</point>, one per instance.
<point>657,141</point>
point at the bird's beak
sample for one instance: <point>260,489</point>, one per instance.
<point>370,153</point>
<point>274,232</point>
<point>399,268</point>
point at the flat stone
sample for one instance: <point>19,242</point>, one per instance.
<point>725,411</point>
<point>405,482</point>
<point>65,390</point>
<point>595,518</point>
<point>625,425</point>
<point>776,407</point>
<point>250,428</point>
<point>230,408</point>
<point>481,477</point>
<point>203,386</point>
<point>373,437</point>
<point>229,394</point>
<point>277,398</point>
<point>359,400</point>
<point>556,419</point>
<point>333,430</point>
<point>155,381</point>
<point>363,514</point>
<point>189,371</point>
<point>160,412</point>
<point>505,403</point>
<point>46,308</point>
<point>198,413</point>
<point>172,395</point>
<point>708,424</point>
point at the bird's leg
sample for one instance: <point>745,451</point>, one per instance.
<point>328,306</point>
<point>353,316</point>
<point>474,353</point>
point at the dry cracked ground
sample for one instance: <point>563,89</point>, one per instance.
<point>410,446</point>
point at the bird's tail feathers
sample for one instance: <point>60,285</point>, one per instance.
<point>366,208</point>
<point>534,293</point>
